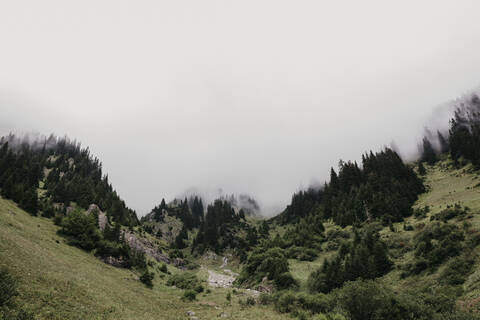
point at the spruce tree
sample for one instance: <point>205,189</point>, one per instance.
<point>428,154</point>
<point>421,169</point>
<point>444,147</point>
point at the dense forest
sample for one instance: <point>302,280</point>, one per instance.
<point>383,188</point>
<point>71,174</point>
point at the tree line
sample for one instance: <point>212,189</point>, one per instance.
<point>68,172</point>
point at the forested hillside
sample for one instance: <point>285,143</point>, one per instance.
<point>64,170</point>
<point>383,239</point>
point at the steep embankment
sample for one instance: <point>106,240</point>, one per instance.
<point>59,281</point>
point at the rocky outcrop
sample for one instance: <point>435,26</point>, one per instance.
<point>218,280</point>
<point>114,262</point>
<point>265,286</point>
<point>144,246</point>
<point>102,216</point>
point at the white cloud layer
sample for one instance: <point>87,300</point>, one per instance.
<point>257,96</point>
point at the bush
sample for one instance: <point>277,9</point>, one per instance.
<point>185,280</point>
<point>366,258</point>
<point>360,299</point>
<point>82,229</point>
<point>250,301</point>
<point>285,302</point>
<point>421,213</point>
<point>316,303</point>
<point>147,278</point>
<point>285,281</point>
<point>189,295</point>
<point>451,212</point>
<point>436,243</point>
<point>457,270</point>
<point>265,299</point>
<point>271,264</point>
<point>369,300</point>
<point>110,248</point>
<point>164,268</point>
<point>136,259</point>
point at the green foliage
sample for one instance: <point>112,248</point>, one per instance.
<point>289,301</point>
<point>455,211</point>
<point>163,268</point>
<point>219,229</point>
<point>136,259</point>
<point>464,134</point>
<point>307,233</point>
<point>457,269</point>
<point>74,176</point>
<point>181,237</point>
<point>82,229</point>
<point>147,278</point>
<point>271,263</point>
<point>366,258</point>
<point>428,155</point>
<point>250,301</point>
<point>185,280</point>
<point>421,169</point>
<point>420,213</point>
<point>436,243</point>
<point>286,302</point>
<point>189,295</point>
<point>366,300</point>
<point>384,188</point>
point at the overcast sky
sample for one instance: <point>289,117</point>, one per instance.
<point>260,97</point>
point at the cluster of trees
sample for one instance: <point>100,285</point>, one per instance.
<point>82,231</point>
<point>220,229</point>
<point>435,244</point>
<point>72,175</point>
<point>20,173</point>
<point>383,188</point>
<point>464,138</point>
<point>272,264</point>
<point>366,258</point>
<point>189,211</point>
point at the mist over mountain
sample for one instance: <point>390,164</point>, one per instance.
<point>209,101</point>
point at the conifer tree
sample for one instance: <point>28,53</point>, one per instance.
<point>421,169</point>
<point>428,154</point>
<point>444,147</point>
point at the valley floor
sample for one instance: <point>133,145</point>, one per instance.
<point>58,281</point>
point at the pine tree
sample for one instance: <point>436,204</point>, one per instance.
<point>421,169</point>
<point>428,154</point>
<point>29,201</point>
<point>444,147</point>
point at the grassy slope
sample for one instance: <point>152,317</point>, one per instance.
<point>62,282</point>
